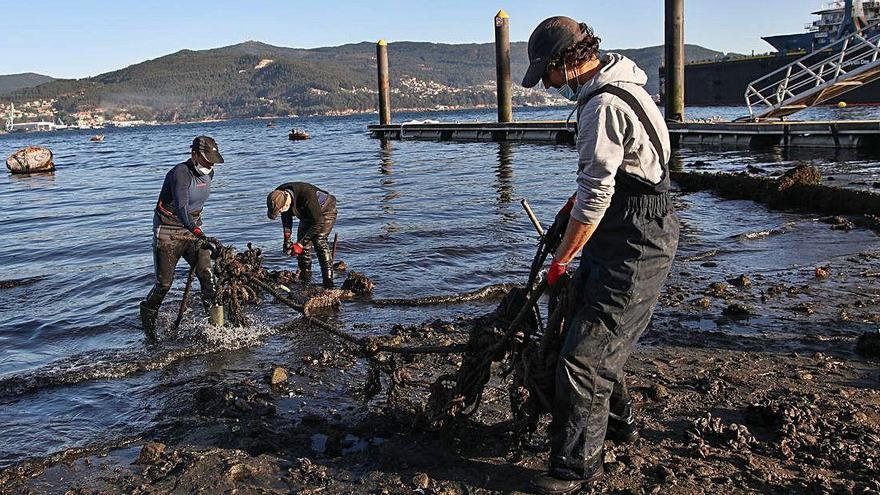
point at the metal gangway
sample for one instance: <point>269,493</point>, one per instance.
<point>822,75</point>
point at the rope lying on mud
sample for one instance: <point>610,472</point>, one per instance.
<point>488,292</point>
<point>369,346</point>
<point>512,333</point>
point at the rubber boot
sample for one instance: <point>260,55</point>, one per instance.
<point>547,484</point>
<point>622,428</point>
<point>305,268</point>
<point>215,312</point>
<point>149,315</point>
<point>323,253</point>
<point>327,277</point>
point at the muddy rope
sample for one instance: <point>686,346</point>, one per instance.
<point>368,346</point>
<point>488,292</point>
<point>512,333</point>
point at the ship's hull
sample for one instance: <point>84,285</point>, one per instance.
<point>724,83</point>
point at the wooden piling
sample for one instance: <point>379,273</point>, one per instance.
<point>384,83</point>
<point>674,54</point>
<point>502,67</point>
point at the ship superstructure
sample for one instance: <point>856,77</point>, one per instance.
<point>724,82</point>
<point>836,20</point>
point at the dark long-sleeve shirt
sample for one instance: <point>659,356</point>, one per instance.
<point>183,196</point>
<point>307,205</point>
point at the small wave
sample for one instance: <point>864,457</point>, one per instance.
<point>115,364</point>
<point>762,234</point>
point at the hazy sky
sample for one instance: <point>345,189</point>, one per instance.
<point>87,37</point>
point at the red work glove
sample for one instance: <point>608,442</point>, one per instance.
<point>198,233</point>
<point>296,249</point>
<point>554,272</point>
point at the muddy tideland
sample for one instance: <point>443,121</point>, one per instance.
<point>763,379</point>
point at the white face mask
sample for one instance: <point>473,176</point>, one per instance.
<point>202,170</point>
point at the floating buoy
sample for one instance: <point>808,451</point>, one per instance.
<point>298,135</point>
<point>30,160</point>
<point>841,104</point>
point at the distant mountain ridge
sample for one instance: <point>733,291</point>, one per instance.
<point>14,82</point>
<point>254,79</point>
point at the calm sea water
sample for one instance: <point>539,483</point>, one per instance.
<point>420,218</point>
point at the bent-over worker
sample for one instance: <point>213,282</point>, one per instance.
<point>316,210</point>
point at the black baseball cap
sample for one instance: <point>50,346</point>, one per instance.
<point>208,148</point>
<point>548,40</point>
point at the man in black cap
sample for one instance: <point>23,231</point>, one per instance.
<point>316,210</point>
<point>623,219</point>
<point>177,228</point>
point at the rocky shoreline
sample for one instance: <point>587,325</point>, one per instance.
<point>718,416</point>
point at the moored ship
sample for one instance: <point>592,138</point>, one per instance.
<point>724,82</point>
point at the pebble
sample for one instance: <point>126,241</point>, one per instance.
<point>278,376</point>
<point>421,480</point>
<point>737,310</point>
<point>151,453</point>
<point>718,289</point>
<point>658,392</point>
<point>742,281</point>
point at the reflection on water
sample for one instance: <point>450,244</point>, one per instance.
<point>386,180</point>
<point>504,173</point>
<point>34,181</point>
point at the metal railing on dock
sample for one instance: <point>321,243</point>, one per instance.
<point>847,64</point>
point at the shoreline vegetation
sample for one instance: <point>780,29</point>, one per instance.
<point>334,113</point>
<point>254,79</point>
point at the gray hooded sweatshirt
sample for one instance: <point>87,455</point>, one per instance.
<point>610,136</point>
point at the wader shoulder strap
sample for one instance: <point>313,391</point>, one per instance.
<point>636,106</point>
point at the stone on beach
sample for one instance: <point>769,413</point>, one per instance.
<point>868,345</point>
<point>30,160</point>
<point>278,376</point>
<point>151,453</point>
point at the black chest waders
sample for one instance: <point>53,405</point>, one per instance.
<point>623,268</point>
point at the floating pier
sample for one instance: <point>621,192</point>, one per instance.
<point>849,134</point>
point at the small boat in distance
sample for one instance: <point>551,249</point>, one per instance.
<point>97,138</point>
<point>298,135</point>
<point>270,124</point>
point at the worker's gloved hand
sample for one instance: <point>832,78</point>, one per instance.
<point>199,234</point>
<point>296,249</point>
<point>555,272</point>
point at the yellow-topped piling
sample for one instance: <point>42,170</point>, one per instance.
<point>502,67</point>
<point>384,82</point>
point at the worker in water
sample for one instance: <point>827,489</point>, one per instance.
<point>316,210</point>
<point>177,228</point>
<point>623,219</point>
